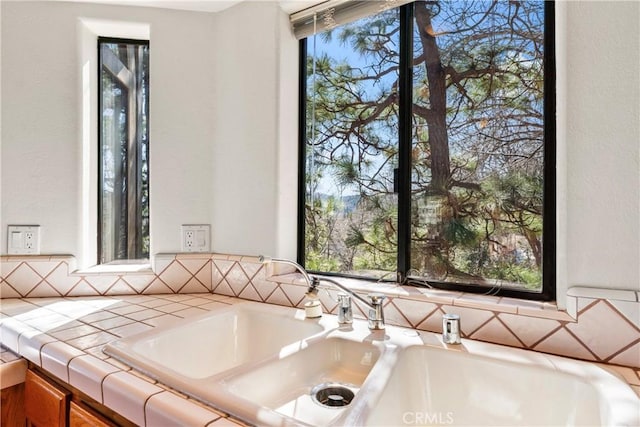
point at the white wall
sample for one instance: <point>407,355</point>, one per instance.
<point>601,142</point>
<point>39,141</point>
<point>256,62</point>
<point>288,142</point>
<point>41,110</point>
<point>224,135</point>
<point>1,232</point>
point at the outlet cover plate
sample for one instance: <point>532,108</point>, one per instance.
<point>23,239</point>
<point>196,238</point>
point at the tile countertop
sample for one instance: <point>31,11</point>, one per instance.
<point>65,336</point>
<point>12,368</point>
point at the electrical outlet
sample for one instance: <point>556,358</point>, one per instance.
<point>29,240</point>
<point>196,238</point>
<point>23,239</point>
<point>189,239</point>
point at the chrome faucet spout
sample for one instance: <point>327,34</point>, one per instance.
<point>375,303</point>
<point>343,288</point>
<point>311,281</point>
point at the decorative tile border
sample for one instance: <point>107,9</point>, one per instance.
<point>599,332</point>
<point>45,276</point>
<point>599,325</point>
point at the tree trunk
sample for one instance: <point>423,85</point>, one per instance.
<point>534,243</point>
<point>436,120</point>
<point>434,253</point>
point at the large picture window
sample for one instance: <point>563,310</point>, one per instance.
<point>123,201</point>
<point>427,146</point>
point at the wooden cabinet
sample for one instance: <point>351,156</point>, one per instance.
<point>45,404</point>
<point>82,416</point>
<point>48,404</point>
<point>12,406</point>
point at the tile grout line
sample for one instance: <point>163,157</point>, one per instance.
<point>597,358</point>
<point>510,330</point>
<point>545,337</point>
<point>622,350</point>
<point>621,315</point>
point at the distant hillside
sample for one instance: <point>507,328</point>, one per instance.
<point>348,203</point>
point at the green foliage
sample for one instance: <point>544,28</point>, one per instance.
<point>346,172</point>
<point>354,237</point>
<point>514,273</point>
<point>457,232</point>
<point>316,261</point>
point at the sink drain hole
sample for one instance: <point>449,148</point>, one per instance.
<point>332,395</point>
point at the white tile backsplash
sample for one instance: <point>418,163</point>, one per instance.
<point>539,326</point>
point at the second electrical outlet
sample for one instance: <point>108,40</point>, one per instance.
<point>196,238</point>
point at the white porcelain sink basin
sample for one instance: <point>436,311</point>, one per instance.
<point>505,387</point>
<point>287,387</point>
<point>216,342</point>
<point>264,363</point>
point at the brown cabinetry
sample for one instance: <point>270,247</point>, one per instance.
<point>82,416</point>
<point>12,406</point>
<point>45,404</point>
<point>48,404</point>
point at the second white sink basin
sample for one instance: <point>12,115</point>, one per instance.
<point>502,387</point>
<point>208,345</point>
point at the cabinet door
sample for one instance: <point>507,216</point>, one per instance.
<point>12,406</point>
<point>80,416</point>
<point>45,405</point>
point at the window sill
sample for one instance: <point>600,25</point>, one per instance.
<point>137,266</point>
<point>546,310</point>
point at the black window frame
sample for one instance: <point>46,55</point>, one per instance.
<point>405,86</point>
<point>100,41</point>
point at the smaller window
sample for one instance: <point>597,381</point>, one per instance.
<point>123,170</point>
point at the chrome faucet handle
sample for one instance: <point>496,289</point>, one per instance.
<point>377,298</point>
<point>376,312</point>
<point>345,310</point>
<point>451,329</point>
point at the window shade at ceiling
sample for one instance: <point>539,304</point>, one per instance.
<point>333,13</point>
